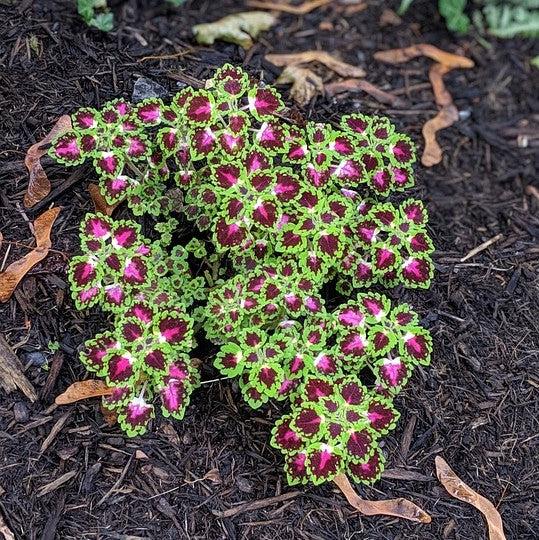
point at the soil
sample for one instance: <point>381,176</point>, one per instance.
<point>476,404</point>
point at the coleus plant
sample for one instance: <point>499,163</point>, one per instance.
<point>290,233</point>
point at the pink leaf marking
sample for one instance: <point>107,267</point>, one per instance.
<point>324,462</point>
<point>138,412</point>
<point>120,367</point>
<point>351,317</point>
<point>67,147</point>
<point>173,329</point>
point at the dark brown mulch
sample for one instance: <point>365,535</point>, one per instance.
<point>476,404</point>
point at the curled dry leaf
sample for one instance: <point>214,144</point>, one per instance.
<point>301,9</point>
<point>10,278</point>
<point>361,85</point>
<point>458,489</point>
<point>389,18</point>
<point>400,56</point>
<point>83,390</point>
<point>448,114</point>
<point>432,153</point>
<point>39,185</point>
<point>446,117</point>
<point>306,57</point>
<point>401,508</point>
<point>99,201</point>
<point>239,28</point>
<point>110,416</point>
<point>305,83</point>
<point>441,95</point>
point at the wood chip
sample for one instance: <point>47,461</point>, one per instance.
<point>301,9</point>
<point>5,530</point>
<point>361,85</point>
<point>400,56</point>
<point>118,482</point>
<point>11,375</point>
<point>306,57</point>
<point>39,185</point>
<point>56,366</point>
<point>60,423</point>
<point>406,440</point>
<point>52,486</point>
<point>10,278</point>
<point>405,474</point>
<point>461,491</point>
<point>401,508</point>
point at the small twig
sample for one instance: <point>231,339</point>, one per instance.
<point>166,56</point>
<point>118,482</point>
<point>302,9</point>
<point>60,423</point>
<point>215,380</point>
<point>20,244</point>
<point>481,247</point>
<point>256,505</point>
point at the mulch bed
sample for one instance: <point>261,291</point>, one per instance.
<point>476,404</point>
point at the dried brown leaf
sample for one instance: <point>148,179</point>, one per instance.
<point>446,117</point>
<point>306,57</point>
<point>353,8</point>
<point>441,95</point>
<point>39,185</point>
<point>361,85</point>
<point>110,416</point>
<point>389,18</point>
<point>99,201</point>
<point>461,491</point>
<point>213,476</point>
<point>301,9</point>
<point>401,508</point>
<point>399,56</point>
<point>432,153</point>
<point>10,278</point>
<point>305,83</point>
<point>83,390</point>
